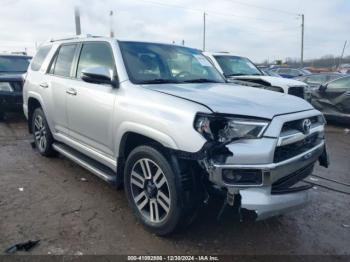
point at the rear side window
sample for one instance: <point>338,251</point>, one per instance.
<point>40,57</point>
<point>95,54</point>
<point>64,61</point>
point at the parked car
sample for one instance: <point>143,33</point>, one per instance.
<point>268,72</point>
<point>12,68</point>
<point>315,80</point>
<point>237,69</point>
<point>287,72</point>
<point>333,99</point>
<point>161,120</point>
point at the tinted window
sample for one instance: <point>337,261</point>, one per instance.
<point>10,64</point>
<point>64,60</point>
<point>52,64</point>
<point>40,57</point>
<point>96,54</point>
<point>343,83</point>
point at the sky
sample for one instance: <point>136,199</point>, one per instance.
<point>258,29</point>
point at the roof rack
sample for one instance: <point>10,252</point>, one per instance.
<point>73,37</point>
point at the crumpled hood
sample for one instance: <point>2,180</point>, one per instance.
<point>234,99</point>
<point>273,81</point>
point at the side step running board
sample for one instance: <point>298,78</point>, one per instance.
<point>88,163</point>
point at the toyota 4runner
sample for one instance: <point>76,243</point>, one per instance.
<point>160,120</point>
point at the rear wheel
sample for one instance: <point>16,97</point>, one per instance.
<point>153,191</point>
<point>42,134</point>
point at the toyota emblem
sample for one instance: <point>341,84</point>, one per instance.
<point>305,126</point>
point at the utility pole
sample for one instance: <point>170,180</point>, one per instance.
<point>204,24</point>
<point>342,54</point>
<point>302,42</point>
<point>183,42</point>
<point>77,21</point>
<point>111,24</point>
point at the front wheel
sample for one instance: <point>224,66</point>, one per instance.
<point>152,191</point>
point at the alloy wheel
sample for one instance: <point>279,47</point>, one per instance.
<point>40,133</point>
<point>150,190</point>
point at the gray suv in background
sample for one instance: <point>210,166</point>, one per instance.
<point>160,120</point>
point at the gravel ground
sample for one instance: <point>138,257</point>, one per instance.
<point>73,212</point>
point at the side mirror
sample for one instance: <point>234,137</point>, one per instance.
<point>322,88</point>
<point>99,75</point>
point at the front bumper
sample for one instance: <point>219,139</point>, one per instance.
<point>275,194</point>
<point>266,205</point>
<point>11,101</point>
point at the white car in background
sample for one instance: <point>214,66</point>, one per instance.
<point>242,71</point>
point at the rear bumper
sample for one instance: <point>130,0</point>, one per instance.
<point>11,101</point>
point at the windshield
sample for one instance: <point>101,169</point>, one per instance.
<point>9,64</point>
<point>237,66</point>
<point>149,63</point>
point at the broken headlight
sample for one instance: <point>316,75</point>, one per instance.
<point>223,128</point>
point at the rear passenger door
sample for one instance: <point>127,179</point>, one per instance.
<point>90,106</point>
<point>59,81</point>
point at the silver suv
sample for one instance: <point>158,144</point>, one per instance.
<point>160,120</point>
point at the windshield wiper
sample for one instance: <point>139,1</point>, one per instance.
<point>159,81</point>
<point>231,75</point>
<point>200,80</point>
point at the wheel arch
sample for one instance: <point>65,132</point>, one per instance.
<point>134,138</point>
<point>33,103</point>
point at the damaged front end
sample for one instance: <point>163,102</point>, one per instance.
<point>262,173</point>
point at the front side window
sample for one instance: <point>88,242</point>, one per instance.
<point>95,54</point>
<point>342,83</point>
<point>160,63</point>
<point>64,61</point>
<point>13,64</point>
<point>40,57</point>
<point>236,66</point>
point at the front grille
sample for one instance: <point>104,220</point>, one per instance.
<point>291,150</point>
<point>297,124</point>
<point>296,91</point>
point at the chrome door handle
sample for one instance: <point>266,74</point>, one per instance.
<point>44,85</point>
<point>72,92</point>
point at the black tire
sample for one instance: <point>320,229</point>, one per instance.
<point>179,208</point>
<point>42,135</point>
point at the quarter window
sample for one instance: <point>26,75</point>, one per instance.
<point>64,60</point>
<point>95,54</point>
<point>40,57</point>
